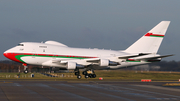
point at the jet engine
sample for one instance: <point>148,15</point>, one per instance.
<point>106,62</point>
<point>73,65</point>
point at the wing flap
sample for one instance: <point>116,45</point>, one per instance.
<point>59,61</point>
<point>94,60</point>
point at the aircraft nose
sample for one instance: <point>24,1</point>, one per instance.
<point>11,56</point>
<point>6,54</point>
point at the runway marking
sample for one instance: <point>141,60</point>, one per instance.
<point>46,86</point>
<point>105,93</point>
<point>6,82</point>
<point>71,94</point>
<point>163,98</point>
<point>27,91</point>
<point>140,95</point>
<point>17,84</point>
<point>146,92</point>
<point>156,92</point>
<point>4,94</point>
<point>114,89</point>
<point>114,96</point>
<point>158,87</point>
<point>65,85</point>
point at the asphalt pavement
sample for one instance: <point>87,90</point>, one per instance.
<point>86,91</point>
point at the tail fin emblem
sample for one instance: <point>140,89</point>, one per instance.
<point>154,35</point>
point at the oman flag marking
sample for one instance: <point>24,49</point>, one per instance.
<point>154,35</point>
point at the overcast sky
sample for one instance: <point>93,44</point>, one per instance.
<point>108,24</point>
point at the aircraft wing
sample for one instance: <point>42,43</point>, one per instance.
<point>100,61</point>
<point>106,62</point>
<point>97,60</point>
<point>59,61</point>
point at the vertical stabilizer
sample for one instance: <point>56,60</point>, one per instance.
<point>150,42</point>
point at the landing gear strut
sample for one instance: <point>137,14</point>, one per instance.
<point>25,68</point>
<point>77,73</point>
<point>89,73</point>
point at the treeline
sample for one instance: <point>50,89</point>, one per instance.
<point>167,65</point>
<point>158,66</point>
<point>10,66</point>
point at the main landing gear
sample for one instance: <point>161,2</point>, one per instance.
<point>77,73</point>
<point>87,74</point>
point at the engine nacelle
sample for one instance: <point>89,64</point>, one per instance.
<point>74,65</point>
<point>104,62</point>
<point>71,65</point>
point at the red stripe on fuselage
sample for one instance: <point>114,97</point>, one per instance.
<point>12,56</point>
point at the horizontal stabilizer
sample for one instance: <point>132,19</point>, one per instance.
<point>151,58</point>
<point>131,56</point>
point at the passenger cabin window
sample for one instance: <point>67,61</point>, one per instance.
<point>42,46</point>
<point>20,44</point>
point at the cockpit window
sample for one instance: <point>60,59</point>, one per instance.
<point>20,44</point>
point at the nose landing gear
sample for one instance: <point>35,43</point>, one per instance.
<point>25,68</point>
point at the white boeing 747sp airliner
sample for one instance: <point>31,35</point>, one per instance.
<point>58,55</point>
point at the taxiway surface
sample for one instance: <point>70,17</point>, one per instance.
<point>86,91</point>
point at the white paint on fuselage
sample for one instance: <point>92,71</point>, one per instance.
<point>43,48</point>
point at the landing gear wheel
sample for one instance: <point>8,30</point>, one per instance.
<point>25,68</point>
<point>25,71</point>
<point>90,75</point>
<point>79,76</point>
<point>94,75</point>
<point>86,76</point>
<point>84,73</point>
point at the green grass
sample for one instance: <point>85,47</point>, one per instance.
<point>116,75</point>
